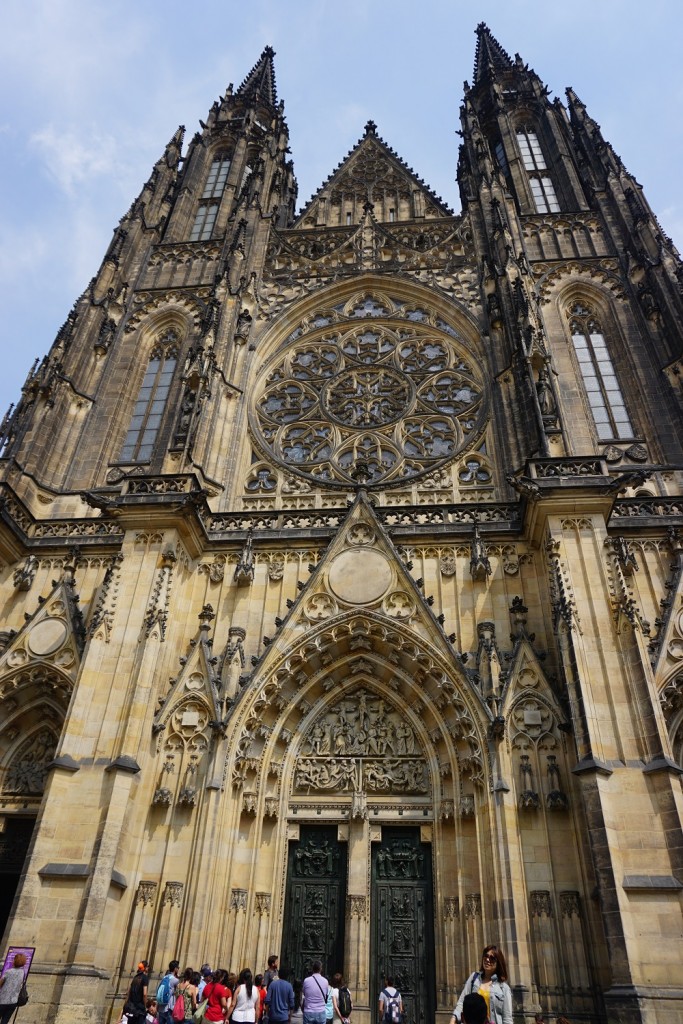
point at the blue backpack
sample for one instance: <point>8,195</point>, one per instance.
<point>164,990</point>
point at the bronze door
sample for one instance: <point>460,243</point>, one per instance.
<point>403,922</point>
<point>314,902</point>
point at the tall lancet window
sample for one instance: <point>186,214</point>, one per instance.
<point>599,379</point>
<point>151,401</point>
<point>540,182</point>
<point>207,211</point>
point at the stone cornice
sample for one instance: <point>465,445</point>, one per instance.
<point>179,501</point>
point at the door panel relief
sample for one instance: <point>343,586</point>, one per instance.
<point>314,902</point>
<point>403,921</point>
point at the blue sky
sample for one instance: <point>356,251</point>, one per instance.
<point>90,91</point>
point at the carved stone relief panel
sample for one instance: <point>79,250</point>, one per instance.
<point>27,771</point>
<point>361,744</point>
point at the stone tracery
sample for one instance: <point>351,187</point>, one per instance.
<point>403,397</point>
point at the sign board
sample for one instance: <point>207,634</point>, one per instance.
<point>28,951</point>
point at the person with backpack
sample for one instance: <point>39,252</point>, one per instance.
<point>490,981</point>
<point>166,992</point>
<point>186,996</point>
<point>390,1003</point>
<point>342,999</point>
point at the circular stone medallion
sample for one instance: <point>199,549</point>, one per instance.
<point>360,576</point>
<point>47,637</point>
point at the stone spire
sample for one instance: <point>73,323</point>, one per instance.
<point>260,82</point>
<point>489,56</point>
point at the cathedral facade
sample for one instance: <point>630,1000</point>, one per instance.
<point>342,576</point>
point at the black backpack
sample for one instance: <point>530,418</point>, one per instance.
<point>344,1002</point>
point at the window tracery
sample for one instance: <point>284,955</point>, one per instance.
<point>599,378</point>
<point>207,211</point>
<point>151,401</point>
<point>403,397</point>
<point>541,184</point>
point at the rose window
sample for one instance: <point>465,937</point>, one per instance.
<point>402,397</point>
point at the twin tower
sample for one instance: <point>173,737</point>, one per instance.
<point>341,576</point>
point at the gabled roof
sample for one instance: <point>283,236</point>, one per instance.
<point>489,54</point>
<point>260,82</point>
<point>358,169</point>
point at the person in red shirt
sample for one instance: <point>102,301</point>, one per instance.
<point>258,981</point>
<point>219,997</point>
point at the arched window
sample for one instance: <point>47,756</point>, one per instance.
<point>599,378</point>
<point>541,184</point>
<point>207,211</point>
<point>151,402</point>
<point>218,175</point>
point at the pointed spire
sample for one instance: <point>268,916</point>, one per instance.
<point>573,100</point>
<point>174,147</point>
<point>260,82</point>
<point>489,55</point>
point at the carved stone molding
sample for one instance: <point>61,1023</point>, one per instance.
<point>451,908</point>
<point>238,900</point>
<point>467,806</point>
<point>472,905</point>
<point>570,905</point>
<point>447,565</point>
<point>357,906</point>
<point>447,809</point>
<point>263,901</point>
<point>146,893</point>
<point>540,904</point>
<point>271,807</point>
<point>173,894</point>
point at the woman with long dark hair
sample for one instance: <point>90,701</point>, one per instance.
<point>246,1000</point>
<point>218,997</point>
<point>187,991</point>
<point>490,981</point>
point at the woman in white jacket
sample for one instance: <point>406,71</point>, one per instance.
<point>490,981</point>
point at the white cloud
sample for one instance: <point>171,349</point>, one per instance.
<point>70,159</point>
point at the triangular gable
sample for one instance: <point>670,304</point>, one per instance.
<point>668,641</point>
<point>54,635</point>
<point>194,694</point>
<point>361,570</point>
<point>526,678</point>
<point>369,169</point>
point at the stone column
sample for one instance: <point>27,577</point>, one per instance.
<point>263,904</point>
<point>168,924</point>
<point>238,911</point>
<point>473,927</point>
<point>540,916</point>
<point>451,918</point>
<point>572,941</point>
<point>357,954</point>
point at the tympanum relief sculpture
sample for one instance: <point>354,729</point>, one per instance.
<point>361,745</point>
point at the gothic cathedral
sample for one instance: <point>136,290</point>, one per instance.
<point>342,576</point>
